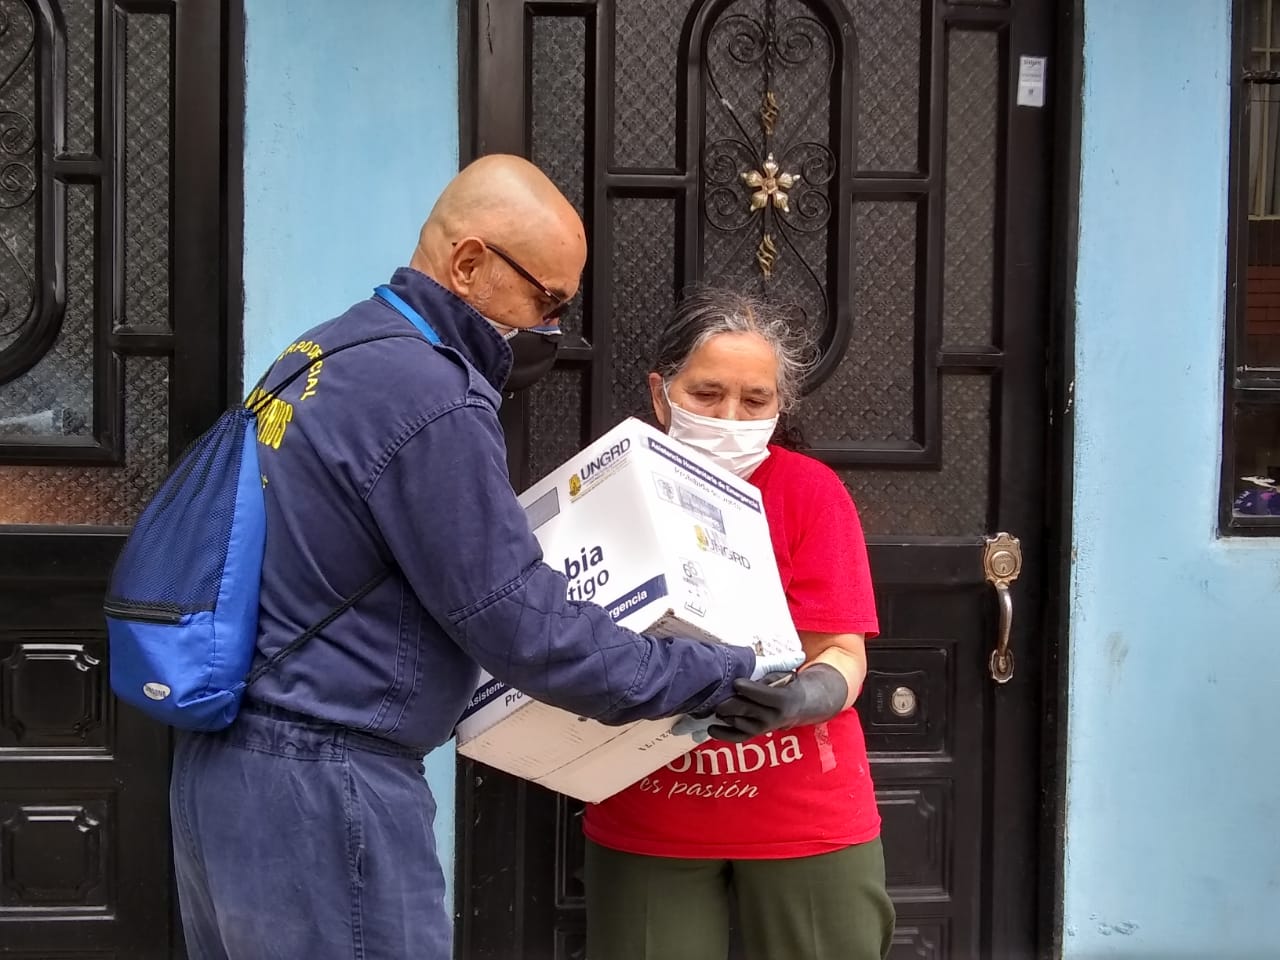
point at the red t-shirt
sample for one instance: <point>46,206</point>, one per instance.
<point>792,793</point>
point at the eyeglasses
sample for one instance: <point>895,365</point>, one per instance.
<point>560,302</point>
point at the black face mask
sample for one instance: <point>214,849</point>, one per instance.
<point>533,355</point>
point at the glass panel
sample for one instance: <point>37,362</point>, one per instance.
<point>1261,339</point>
<point>951,501</point>
<point>1257,467</point>
<point>767,165</point>
<point>555,420</point>
<point>82,62</point>
<point>972,102</point>
<point>1262,35</point>
<point>1262,297</point>
<point>1262,124</point>
<point>19,170</point>
<point>870,396</point>
<point>888,33</point>
<point>101,495</point>
<point>643,295</point>
<point>646,38</point>
<point>559,119</point>
<point>55,397</point>
<point>146,170</point>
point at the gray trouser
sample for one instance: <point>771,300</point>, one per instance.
<point>824,907</point>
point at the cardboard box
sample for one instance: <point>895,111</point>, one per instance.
<point>670,545</point>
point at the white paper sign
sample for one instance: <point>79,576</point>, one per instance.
<point>1031,71</point>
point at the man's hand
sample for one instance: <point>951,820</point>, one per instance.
<point>815,694</point>
<point>776,663</point>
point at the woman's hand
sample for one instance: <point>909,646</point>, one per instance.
<point>786,700</point>
<point>814,694</point>
<point>829,682</point>
<point>846,652</point>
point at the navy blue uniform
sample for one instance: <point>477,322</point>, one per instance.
<point>305,829</point>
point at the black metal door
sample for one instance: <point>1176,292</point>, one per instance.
<point>118,173</point>
<point>914,237</point>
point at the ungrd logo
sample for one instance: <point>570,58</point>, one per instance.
<point>704,542</point>
<point>591,467</point>
<point>591,471</point>
<point>156,691</point>
<point>711,544</point>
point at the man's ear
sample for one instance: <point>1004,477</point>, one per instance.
<point>660,408</point>
<point>466,261</point>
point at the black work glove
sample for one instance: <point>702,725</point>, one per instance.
<point>780,700</point>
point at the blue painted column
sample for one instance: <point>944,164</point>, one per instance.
<point>1173,791</point>
<point>351,130</point>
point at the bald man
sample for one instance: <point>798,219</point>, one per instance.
<point>303,831</point>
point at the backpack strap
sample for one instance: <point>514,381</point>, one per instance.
<point>289,648</point>
<point>396,302</point>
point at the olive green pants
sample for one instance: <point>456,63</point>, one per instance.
<point>827,907</point>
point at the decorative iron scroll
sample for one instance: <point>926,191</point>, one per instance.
<point>767,164</point>
<point>18,169</point>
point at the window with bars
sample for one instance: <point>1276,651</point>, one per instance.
<point>1251,440</point>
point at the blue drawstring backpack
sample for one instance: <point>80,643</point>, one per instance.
<point>182,603</point>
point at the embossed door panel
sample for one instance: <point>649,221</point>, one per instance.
<point>867,165</point>
<point>114,259</point>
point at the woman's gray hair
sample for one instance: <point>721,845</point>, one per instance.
<point>707,312</point>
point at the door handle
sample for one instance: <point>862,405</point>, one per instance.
<point>1003,562</point>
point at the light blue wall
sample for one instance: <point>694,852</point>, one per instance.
<point>351,129</point>
<point>1173,816</point>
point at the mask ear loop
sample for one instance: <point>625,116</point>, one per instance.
<point>666,395</point>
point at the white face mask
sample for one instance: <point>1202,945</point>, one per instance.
<point>737,445</point>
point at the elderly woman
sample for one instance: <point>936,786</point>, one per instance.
<point>785,823</point>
